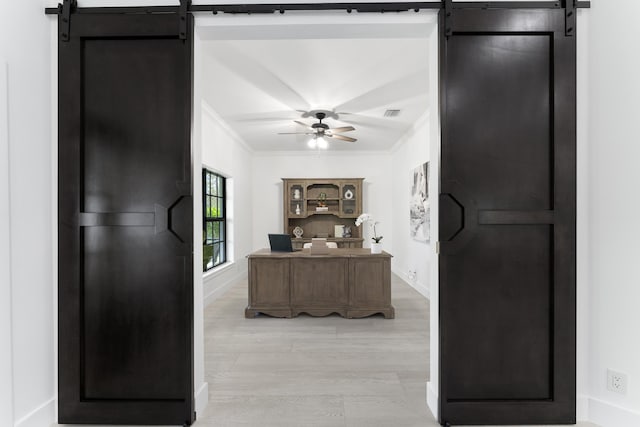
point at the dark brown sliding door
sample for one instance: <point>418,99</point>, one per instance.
<point>507,218</point>
<point>125,221</point>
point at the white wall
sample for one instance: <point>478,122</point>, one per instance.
<point>201,387</point>
<point>6,362</point>
<point>582,224</point>
<point>408,254</point>
<point>269,168</point>
<point>225,153</point>
<point>219,149</point>
<point>434,188</point>
<point>614,150</point>
<point>26,196</point>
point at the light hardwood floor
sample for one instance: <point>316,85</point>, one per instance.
<point>317,371</point>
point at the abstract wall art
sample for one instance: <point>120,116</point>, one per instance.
<point>419,204</point>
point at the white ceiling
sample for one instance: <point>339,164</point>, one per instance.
<point>258,87</point>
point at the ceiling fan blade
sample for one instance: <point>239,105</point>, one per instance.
<point>296,133</point>
<point>342,129</point>
<point>302,124</point>
<point>344,138</point>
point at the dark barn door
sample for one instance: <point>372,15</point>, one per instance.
<point>507,218</point>
<point>125,221</point>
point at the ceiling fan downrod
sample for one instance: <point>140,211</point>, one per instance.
<point>320,127</point>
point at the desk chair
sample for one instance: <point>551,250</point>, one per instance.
<point>330,245</point>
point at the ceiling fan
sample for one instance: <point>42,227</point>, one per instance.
<point>322,130</point>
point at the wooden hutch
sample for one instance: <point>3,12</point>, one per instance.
<point>317,206</point>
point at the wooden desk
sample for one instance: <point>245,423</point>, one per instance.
<point>352,282</point>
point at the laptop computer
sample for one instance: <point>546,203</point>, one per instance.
<point>280,243</point>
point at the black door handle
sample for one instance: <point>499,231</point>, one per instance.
<point>451,217</point>
<point>176,218</point>
<point>458,219</point>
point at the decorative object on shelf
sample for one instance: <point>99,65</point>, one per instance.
<point>348,194</point>
<point>298,232</point>
<point>376,246</point>
<point>298,209</point>
<point>323,205</point>
<point>338,230</point>
<point>296,194</point>
<point>322,198</point>
<point>419,211</point>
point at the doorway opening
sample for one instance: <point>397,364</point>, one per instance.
<point>254,77</point>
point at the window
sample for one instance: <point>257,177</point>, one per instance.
<point>214,222</point>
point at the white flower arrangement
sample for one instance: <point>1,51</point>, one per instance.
<point>366,217</point>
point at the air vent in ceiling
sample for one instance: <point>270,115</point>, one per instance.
<point>391,113</point>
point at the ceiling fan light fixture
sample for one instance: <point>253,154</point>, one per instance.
<point>321,130</point>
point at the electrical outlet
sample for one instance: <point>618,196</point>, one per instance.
<point>411,275</point>
<point>616,381</point>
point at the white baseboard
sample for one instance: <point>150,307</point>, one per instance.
<point>221,288</point>
<point>606,414</point>
<point>432,399</point>
<point>43,416</point>
<point>582,408</point>
<point>202,398</point>
<point>422,288</point>
<point>418,286</point>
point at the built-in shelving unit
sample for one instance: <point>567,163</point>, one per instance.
<point>317,206</point>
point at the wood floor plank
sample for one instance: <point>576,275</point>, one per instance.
<point>317,371</point>
<point>298,372</point>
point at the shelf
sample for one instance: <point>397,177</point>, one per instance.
<point>312,213</point>
<point>323,222</point>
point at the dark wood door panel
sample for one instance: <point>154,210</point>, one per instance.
<point>502,141</point>
<point>507,219</point>
<point>125,222</point>
<point>131,142</point>
<point>122,340</point>
<point>503,286</point>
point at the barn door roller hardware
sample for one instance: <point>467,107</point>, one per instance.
<point>64,27</point>
<point>569,17</point>
<point>182,15</point>
<point>448,17</point>
<point>70,7</point>
<point>569,6</point>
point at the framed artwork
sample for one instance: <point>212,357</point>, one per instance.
<point>419,204</point>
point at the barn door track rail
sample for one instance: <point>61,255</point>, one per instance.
<point>69,7</point>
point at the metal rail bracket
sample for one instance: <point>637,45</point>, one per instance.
<point>70,7</point>
<point>65,10</point>
<point>448,18</point>
<point>182,16</point>
<point>570,18</point>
